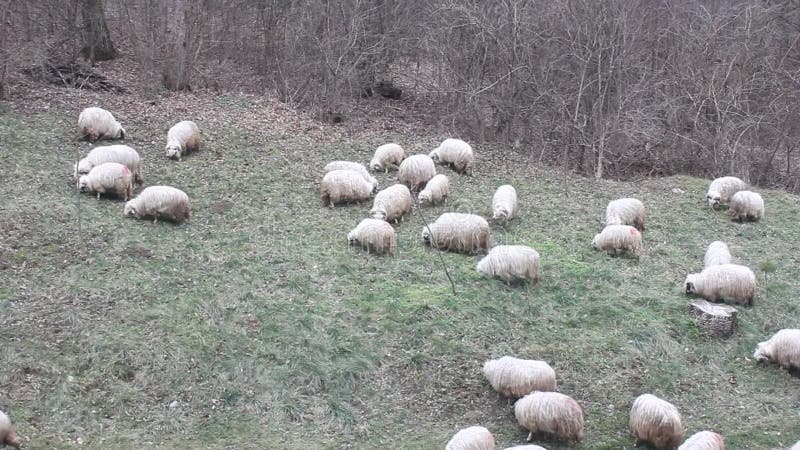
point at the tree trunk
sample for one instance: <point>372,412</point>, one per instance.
<point>96,38</point>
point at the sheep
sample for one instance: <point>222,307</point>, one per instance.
<point>386,156</point>
<point>458,232</point>
<point>514,377</point>
<point>8,433</point>
<point>436,190</point>
<point>354,166</point>
<point>656,421</point>
<point>472,438</point>
<point>345,186</point>
<point>108,178</point>
<point>783,348</point>
<point>456,153</point>
<point>747,205</point>
<point>504,203</point>
<point>730,282</point>
<point>375,235</point>
<point>625,211</point>
<point>717,254</point>
<point>796,446</point>
<point>111,153</point>
<point>525,447</point>
<point>614,238</point>
<point>415,171</point>
<point>551,413</point>
<point>392,203</point>
<point>510,263</point>
<point>164,202</point>
<point>182,139</point>
<point>96,123</point>
<point>722,189</point>
<point>704,440</point>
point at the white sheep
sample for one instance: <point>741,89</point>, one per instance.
<point>722,189</point>
<point>552,413</point>
<point>510,263</point>
<point>415,171</point>
<point>108,178</point>
<point>747,205</point>
<point>717,254</point>
<point>345,186</point>
<point>456,153</point>
<point>472,438</point>
<point>704,440</point>
<point>504,203</point>
<point>354,166</point>
<point>436,190</point>
<point>615,238</point>
<point>625,211</point>
<point>730,282</point>
<point>796,446</point>
<point>182,139</point>
<point>111,153</point>
<point>656,421</point>
<point>514,377</point>
<point>8,433</point>
<point>164,202</point>
<point>386,156</point>
<point>783,348</point>
<point>392,203</point>
<point>96,123</point>
<point>458,232</point>
<point>375,235</point>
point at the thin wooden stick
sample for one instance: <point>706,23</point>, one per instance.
<point>441,258</point>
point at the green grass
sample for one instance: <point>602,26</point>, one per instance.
<point>263,329</point>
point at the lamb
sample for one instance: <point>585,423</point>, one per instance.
<point>436,190</point>
<point>717,254</point>
<point>458,232</point>
<point>392,203</point>
<point>164,202</point>
<point>472,438</point>
<point>96,123</point>
<point>510,263</point>
<point>551,413</point>
<point>504,203</point>
<point>614,238</point>
<point>8,433</point>
<point>747,205</point>
<point>625,211</point>
<point>375,235</point>
<point>722,189</point>
<point>730,282</point>
<point>514,377</point>
<point>108,178</point>
<point>656,421</point>
<point>704,440</point>
<point>111,153</point>
<point>415,171</point>
<point>783,348</point>
<point>354,166</point>
<point>456,153</point>
<point>386,156</point>
<point>345,186</point>
<point>182,139</point>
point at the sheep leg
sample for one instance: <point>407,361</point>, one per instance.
<point>530,437</point>
<point>155,220</point>
<point>98,196</point>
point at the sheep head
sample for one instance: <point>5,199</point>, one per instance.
<point>121,133</point>
<point>130,210</point>
<point>761,352</point>
<point>434,155</point>
<point>83,183</point>
<point>173,151</point>
<point>424,197</point>
<point>690,284</point>
<point>714,198</point>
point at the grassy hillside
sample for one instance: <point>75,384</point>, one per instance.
<point>255,325</point>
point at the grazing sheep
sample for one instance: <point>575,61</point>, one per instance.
<point>730,282</point>
<point>614,238</point>
<point>472,438</point>
<point>722,189</point>
<point>525,447</point>
<point>345,186</point>
<point>747,205</point>
<point>458,232</point>
<point>704,440</point>
<point>375,235</point>
<point>392,203</point>
<point>96,123</point>
<point>717,254</point>
<point>656,421</point>
<point>625,211</point>
<point>783,348</point>
<point>509,263</point>
<point>514,377</point>
<point>108,178</point>
<point>436,190</point>
<point>111,153</point>
<point>551,413</point>
<point>415,171</point>
<point>157,202</point>
<point>8,433</point>
<point>182,139</point>
<point>354,166</point>
<point>504,203</point>
<point>456,153</point>
<point>386,156</point>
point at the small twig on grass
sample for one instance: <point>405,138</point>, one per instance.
<point>441,258</point>
<point>77,187</point>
